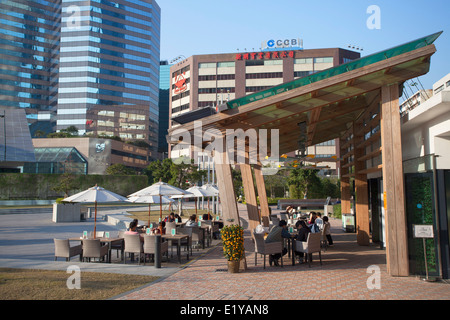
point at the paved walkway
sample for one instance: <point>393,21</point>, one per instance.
<point>26,241</point>
<point>343,276</point>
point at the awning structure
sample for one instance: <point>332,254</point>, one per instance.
<point>342,102</point>
<point>328,101</point>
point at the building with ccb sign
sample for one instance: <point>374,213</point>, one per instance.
<point>203,81</point>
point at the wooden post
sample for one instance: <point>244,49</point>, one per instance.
<point>230,212</point>
<point>250,195</point>
<point>262,195</point>
<point>396,231</point>
<point>362,192</point>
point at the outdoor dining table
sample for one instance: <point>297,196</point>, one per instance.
<point>177,239</point>
<point>109,241</point>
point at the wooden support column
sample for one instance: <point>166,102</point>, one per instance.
<point>396,231</point>
<point>250,195</point>
<point>361,190</point>
<point>345,180</point>
<point>262,195</point>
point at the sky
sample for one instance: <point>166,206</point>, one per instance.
<point>191,27</point>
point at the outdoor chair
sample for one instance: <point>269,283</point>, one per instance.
<point>284,216</point>
<point>132,245</point>
<point>64,250</point>
<point>197,236</point>
<point>310,246</point>
<point>324,240</point>
<point>170,226</point>
<point>264,248</point>
<point>98,234</point>
<point>188,242</point>
<point>275,220</point>
<point>150,246</point>
<point>92,248</point>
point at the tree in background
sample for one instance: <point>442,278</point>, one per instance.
<point>304,183</point>
<point>119,169</point>
<point>66,183</point>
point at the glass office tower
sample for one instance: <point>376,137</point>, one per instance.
<point>70,56</point>
<point>109,55</point>
<point>29,38</point>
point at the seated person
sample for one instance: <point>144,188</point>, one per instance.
<point>170,218</point>
<point>132,229</point>
<point>207,216</point>
<point>191,222</point>
<point>303,232</point>
<point>277,233</point>
<point>161,229</point>
<point>177,218</point>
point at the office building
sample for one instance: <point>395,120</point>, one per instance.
<point>72,56</point>
<point>202,81</point>
<point>164,105</point>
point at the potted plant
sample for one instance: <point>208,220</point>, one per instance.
<point>233,245</point>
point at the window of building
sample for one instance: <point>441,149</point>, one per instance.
<point>207,78</point>
<point>327,143</point>
<point>227,64</point>
<point>180,108</point>
<point>301,74</point>
<point>182,70</point>
<point>303,60</point>
<point>448,84</point>
<point>226,76</point>
<point>264,75</point>
<point>257,88</point>
<point>273,62</point>
<point>323,60</point>
<point>181,95</point>
<point>207,65</point>
<point>439,89</point>
<point>106,113</point>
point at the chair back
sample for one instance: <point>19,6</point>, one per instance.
<point>62,247</point>
<point>170,226</point>
<point>284,216</point>
<point>314,242</point>
<point>149,244</point>
<point>265,221</point>
<point>259,242</point>
<point>197,234</point>
<point>121,234</point>
<point>132,243</point>
<point>98,234</point>
<point>275,221</point>
<point>186,230</point>
<point>91,248</point>
<point>326,228</point>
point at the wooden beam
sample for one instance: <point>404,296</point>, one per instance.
<point>362,195</point>
<point>250,195</point>
<point>262,195</point>
<point>396,230</point>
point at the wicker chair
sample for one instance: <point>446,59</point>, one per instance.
<point>324,240</point>
<point>189,232</point>
<point>98,234</point>
<point>170,226</point>
<point>64,250</point>
<point>197,236</point>
<point>264,248</point>
<point>150,246</point>
<point>133,244</point>
<point>92,248</point>
<point>310,246</point>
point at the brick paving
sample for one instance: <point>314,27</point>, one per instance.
<point>342,276</point>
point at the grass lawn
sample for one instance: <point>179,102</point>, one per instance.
<point>29,284</point>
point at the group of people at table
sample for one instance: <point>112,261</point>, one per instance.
<point>315,223</point>
<point>161,227</point>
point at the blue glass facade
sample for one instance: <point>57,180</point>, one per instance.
<point>69,56</point>
<point>109,55</point>
<point>29,43</point>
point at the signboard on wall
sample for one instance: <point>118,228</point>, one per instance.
<point>423,231</point>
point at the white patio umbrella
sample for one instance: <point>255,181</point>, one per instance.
<point>150,200</point>
<point>159,189</point>
<point>94,195</point>
<point>195,192</point>
<point>212,191</point>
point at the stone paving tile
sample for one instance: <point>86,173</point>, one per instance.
<point>343,276</point>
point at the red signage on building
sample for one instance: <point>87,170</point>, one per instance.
<point>180,83</point>
<point>264,55</point>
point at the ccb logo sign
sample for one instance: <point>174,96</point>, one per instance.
<point>280,43</point>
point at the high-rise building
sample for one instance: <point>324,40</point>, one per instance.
<point>164,105</point>
<point>74,56</point>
